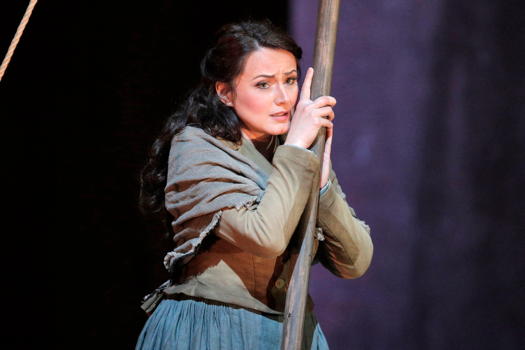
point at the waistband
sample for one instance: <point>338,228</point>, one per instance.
<point>180,297</point>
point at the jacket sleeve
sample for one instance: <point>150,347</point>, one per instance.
<point>266,228</point>
<point>347,246</point>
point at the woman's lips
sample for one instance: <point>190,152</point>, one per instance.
<point>280,116</point>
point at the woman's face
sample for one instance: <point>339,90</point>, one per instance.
<point>264,94</point>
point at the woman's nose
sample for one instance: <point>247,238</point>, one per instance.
<point>282,97</point>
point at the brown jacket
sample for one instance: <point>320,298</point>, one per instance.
<point>248,260</point>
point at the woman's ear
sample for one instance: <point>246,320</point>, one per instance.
<point>224,92</point>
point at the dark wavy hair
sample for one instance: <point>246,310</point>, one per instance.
<point>202,108</point>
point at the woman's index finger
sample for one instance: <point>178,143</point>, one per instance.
<point>307,84</point>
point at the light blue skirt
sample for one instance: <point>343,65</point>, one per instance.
<point>196,325</point>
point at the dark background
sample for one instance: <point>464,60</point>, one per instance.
<point>429,147</point>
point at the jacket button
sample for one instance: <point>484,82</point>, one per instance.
<point>279,283</point>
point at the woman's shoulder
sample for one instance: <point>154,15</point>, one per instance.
<point>190,131</point>
<point>194,136</point>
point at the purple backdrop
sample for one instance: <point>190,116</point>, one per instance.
<point>429,150</point>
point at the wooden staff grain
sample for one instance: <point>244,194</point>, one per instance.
<point>294,316</point>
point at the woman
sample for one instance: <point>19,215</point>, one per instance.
<point>232,171</point>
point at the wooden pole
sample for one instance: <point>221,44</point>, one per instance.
<point>294,313</point>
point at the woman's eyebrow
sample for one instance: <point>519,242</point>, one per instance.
<point>273,75</point>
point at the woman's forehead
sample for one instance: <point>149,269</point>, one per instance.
<point>266,61</point>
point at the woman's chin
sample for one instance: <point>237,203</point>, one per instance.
<point>281,129</point>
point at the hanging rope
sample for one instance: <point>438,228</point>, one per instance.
<point>16,38</point>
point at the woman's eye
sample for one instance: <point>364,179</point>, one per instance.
<point>291,81</point>
<point>263,85</point>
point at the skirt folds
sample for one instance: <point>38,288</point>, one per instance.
<point>197,325</point>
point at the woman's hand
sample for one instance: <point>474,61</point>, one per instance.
<point>308,118</point>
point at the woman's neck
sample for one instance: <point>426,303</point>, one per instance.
<point>265,144</point>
